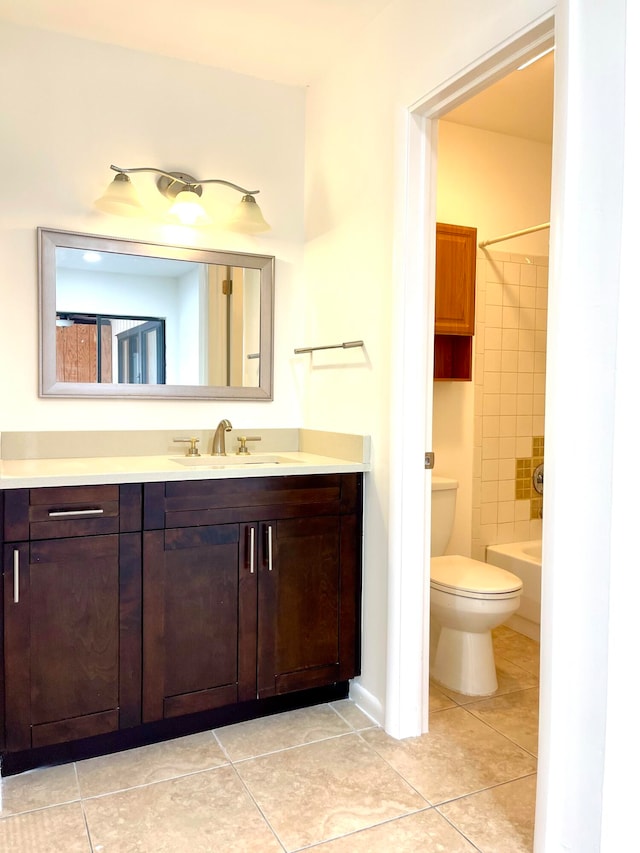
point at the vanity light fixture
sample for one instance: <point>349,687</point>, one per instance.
<point>121,199</point>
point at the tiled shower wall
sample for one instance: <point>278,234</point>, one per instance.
<point>509,388</point>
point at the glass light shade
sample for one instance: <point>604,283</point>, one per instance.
<point>188,209</point>
<point>247,217</point>
<point>120,198</point>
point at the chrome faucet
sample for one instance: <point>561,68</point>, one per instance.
<point>218,438</point>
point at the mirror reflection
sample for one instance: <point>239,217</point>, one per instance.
<point>122,318</point>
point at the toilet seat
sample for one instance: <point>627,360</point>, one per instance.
<point>469,578</point>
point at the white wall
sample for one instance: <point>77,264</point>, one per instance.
<point>69,108</point>
<point>356,168</point>
<point>356,200</point>
<point>497,184</point>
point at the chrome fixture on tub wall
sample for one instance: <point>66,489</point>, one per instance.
<point>121,198</point>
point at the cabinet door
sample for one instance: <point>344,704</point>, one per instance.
<point>199,619</point>
<point>72,638</point>
<point>304,607</point>
<point>455,279</point>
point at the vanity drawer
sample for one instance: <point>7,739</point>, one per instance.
<point>198,502</point>
<point>68,511</point>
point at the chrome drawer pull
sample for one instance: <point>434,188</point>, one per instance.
<point>252,540</point>
<point>16,576</point>
<point>60,513</point>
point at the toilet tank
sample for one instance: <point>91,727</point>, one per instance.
<point>443,511</point>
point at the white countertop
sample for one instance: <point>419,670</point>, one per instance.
<point>33,473</point>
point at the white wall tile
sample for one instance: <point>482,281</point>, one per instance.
<point>494,293</point>
<point>528,296</point>
<point>489,492</point>
<point>489,513</point>
<point>507,425</point>
<point>506,470</point>
<point>523,510</point>
<point>493,361</point>
<point>493,315</point>
<point>505,511</point>
<point>528,275</point>
<point>490,470</point>
<point>512,273</point>
<point>527,318</point>
<point>490,426</point>
<point>510,317</point>
<point>491,404</point>
<point>508,448</point>
<point>509,340</point>
<point>492,384</point>
<point>525,404</point>
<point>525,383</point>
<point>493,338</point>
<point>524,425</point>
<point>491,448</point>
<point>525,362</point>
<point>508,404</point>
<point>526,340</point>
<point>524,446</point>
<point>509,383</point>
<point>507,488</point>
<point>506,532</point>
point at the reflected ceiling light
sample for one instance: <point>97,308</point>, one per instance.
<point>185,191</point>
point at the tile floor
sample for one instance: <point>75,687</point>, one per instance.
<point>322,778</point>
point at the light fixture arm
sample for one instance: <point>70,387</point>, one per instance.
<point>186,180</point>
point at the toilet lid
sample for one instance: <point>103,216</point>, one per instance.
<point>455,573</point>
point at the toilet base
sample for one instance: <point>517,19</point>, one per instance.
<point>463,662</point>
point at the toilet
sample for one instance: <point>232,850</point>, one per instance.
<point>468,599</point>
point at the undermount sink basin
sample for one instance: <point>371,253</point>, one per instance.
<point>231,461</point>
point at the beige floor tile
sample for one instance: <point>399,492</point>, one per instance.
<point>281,731</point>
<point>350,712</point>
<point>324,790</point>
<point>438,699</point>
<point>425,832</point>
<point>514,715</point>
<point>36,789</point>
<point>209,811</point>
<point>53,830</point>
<point>459,755</point>
<point>517,648</point>
<point>146,764</point>
<point>499,820</point>
<point>510,677</point>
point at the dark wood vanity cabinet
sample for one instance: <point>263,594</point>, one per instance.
<point>134,604</point>
<point>71,584</point>
<point>273,566</point>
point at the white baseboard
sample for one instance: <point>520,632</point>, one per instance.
<point>367,702</point>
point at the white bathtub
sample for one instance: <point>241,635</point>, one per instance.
<point>523,559</point>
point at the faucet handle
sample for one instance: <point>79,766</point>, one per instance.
<point>243,439</point>
<point>193,442</point>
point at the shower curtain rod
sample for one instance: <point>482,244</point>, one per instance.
<point>514,234</point>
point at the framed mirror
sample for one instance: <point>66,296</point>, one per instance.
<point>123,318</point>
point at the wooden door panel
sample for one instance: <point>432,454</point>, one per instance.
<point>72,639</point>
<point>74,627</point>
<point>299,605</point>
<point>193,615</point>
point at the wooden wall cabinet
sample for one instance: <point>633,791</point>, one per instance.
<point>133,604</point>
<point>455,301</point>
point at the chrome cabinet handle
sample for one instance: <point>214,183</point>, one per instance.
<point>252,542</point>
<point>16,576</point>
<point>59,513</point>
<point>270,547</point>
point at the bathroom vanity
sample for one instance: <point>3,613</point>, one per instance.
<point>140,610</point>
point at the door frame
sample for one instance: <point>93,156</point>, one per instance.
<point>407,699</point>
